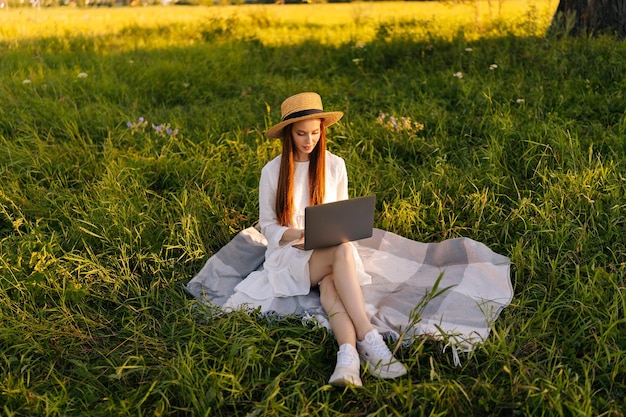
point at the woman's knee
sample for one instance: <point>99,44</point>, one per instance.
<point>344,251</point>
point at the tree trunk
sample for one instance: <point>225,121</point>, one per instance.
<point>590,17</point>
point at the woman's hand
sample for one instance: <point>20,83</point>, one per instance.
<point>292,234</point>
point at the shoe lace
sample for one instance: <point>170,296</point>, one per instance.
<point>344,359</point>
<point>381,348</point>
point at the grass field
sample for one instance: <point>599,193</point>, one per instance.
<point>131,143</point>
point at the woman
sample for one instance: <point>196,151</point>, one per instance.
<point>307,174</point>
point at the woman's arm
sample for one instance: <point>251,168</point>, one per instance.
<point>292,234</point>
<point>268,219</point>
<point>342,184</point>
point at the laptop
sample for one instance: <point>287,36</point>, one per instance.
<point>342,221</point>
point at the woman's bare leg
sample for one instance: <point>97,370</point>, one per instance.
<point>348,368</point>
<point>341,296</point>
<point>340,321</point>
<point>339,261</point>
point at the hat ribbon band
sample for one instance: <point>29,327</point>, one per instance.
<point>302,113</point>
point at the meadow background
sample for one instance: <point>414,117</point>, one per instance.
<point>131,142</point>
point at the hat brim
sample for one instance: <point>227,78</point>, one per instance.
<point>330,118</point>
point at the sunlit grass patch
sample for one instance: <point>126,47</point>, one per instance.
<point>330,24</point>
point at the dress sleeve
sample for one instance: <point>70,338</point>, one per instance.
<point>342,184</point>
<point>268,219</point>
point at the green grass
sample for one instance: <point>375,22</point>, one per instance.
<point>101,225</point>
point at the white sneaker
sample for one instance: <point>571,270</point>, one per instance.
<point>376,354</point>
<point>348,367</point>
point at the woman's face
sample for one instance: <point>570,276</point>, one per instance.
<point>305,135</point>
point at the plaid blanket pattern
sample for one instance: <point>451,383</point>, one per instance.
<point>451,290</point>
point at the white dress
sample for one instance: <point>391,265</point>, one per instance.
<point>286,269</point>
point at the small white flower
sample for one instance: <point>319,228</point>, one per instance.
<point>26,81</point>
<point>520,101</point>
<point>458,75</point>
<point>493,66</point>
<point>468,49</point>
<point>82,75</point>
<point>357,60</point>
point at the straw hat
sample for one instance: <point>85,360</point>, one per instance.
<point>302,106</point>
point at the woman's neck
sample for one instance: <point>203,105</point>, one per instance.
<point>301,158</point>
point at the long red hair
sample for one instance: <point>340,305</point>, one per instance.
<point>317,164</point>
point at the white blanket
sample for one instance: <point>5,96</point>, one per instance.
<point>452,290</point>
